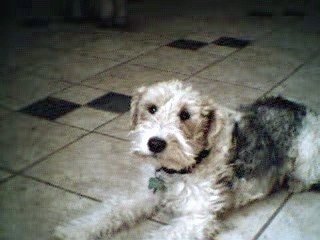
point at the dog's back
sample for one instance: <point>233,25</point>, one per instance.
<point>264,135</point>
<point>275,139</point>
<point>282,120</point>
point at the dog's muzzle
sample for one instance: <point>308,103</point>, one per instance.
<point>156,145</point>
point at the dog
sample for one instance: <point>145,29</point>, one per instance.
<point>209,160</point>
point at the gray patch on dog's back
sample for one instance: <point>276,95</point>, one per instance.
<point>281,118</point>
<point>264,135</point>
<point>254,149</point>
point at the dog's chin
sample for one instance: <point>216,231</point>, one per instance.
<point>175,162</point>
<point>178,168</point>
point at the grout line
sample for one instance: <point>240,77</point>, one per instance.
<point>216,62</point>
<point>87,86</point>
<point>227,83</point>
<point>6,179</point>
<point>157,221</point>
<point>61,188</point>
<point>6,108</point>
<point>62,89</point>
<point>52,121</point>
<point>22,174</point>
<point>310,59</point>
<point>69,125</point>
<point>80,128</point>
<point>160,69</point>
<point>111,136</point>
<point>38,99</point>
<point>68,144</point>
<point>83,84</point>
<point>19,173</point>
<point>183,75</point>
<point>42,159</point>
<point>266,225</point>
<point>84,129</point>
<point>8,170</point>
<point>95,129</point>
<point>120,63</point>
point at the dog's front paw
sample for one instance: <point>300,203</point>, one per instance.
<point>68,233</point>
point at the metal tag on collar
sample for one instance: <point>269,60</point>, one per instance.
<point>156,184</point>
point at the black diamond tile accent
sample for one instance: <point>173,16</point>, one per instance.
<point>113,102</point>
<point>257,13</point>
<point>50,108</point>
<point>293,13</point>
<point>187,44</point>
<point>231,42</point>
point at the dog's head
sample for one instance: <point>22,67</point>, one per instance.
<point>173,123</point>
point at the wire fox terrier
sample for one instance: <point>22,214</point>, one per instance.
<point>210,159</point>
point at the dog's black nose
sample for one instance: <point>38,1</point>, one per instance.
<point>156,144</point>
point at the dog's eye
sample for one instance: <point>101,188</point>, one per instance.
<point>184,115</point>
<point>152,109</point>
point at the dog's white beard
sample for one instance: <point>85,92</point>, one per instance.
<point>168,132</point>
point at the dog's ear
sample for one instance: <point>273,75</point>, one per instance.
<point>134,107</point>
<point>213,122</point>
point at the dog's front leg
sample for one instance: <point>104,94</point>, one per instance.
<point>108,218</point>
<point>190,227</point>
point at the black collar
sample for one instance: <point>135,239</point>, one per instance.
<point>203,154</point>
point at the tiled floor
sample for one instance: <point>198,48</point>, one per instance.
<point>64,100</point>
